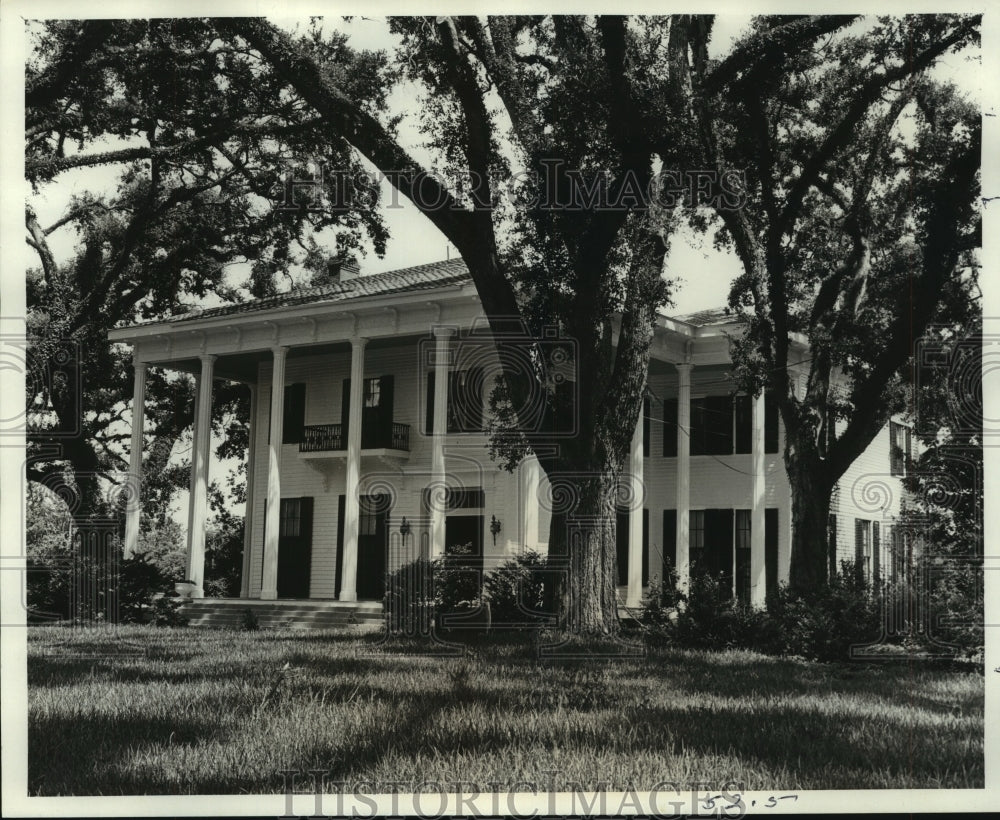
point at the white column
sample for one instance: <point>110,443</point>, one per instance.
<point>200,451</point>
<point>530,471</point>
<point>634,595</point>
<point>440,431</point>
<point>248,515</point>
<point>683,474</point>
<point>349,566</point>
<point>758,574</point>
<point>134,508</point>
<point>272,509</point>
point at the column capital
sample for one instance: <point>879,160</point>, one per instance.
<point>684,367</point>
<point>279,350</point>
<point>359,341</point>
<point>443,331</point>
<point>207,357</point>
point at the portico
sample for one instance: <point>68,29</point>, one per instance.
<point>364,383</point>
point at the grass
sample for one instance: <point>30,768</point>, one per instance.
<point>139,710</point>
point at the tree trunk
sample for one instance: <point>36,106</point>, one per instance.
<point>811,489</point>
<point>583,549</point>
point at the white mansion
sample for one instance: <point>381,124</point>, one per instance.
<point>359,460</point>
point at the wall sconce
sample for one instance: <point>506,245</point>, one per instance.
<point>495,527</point>
<point>404,529</point>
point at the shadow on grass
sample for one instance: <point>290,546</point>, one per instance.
<point>79,754</point>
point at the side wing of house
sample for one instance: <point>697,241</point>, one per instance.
<point>866,505</point>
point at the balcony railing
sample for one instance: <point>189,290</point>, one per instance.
<point>400,437</point>
<point>320,437</point>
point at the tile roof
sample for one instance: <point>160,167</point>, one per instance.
<point>419,277</point>
<point>713,316</point>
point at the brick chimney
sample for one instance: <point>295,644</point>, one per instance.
<point>342,269</point>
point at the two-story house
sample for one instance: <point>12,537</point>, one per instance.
<point>368,446</point>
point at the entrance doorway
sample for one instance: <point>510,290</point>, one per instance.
<point>295,547</point>
<point>466,531</point>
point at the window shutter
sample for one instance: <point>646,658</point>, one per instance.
<point>697,430</point>
<point>294,419</point>
<point>429,414</point>
<point>876,558</point>
<point>385,409</point>
<point>831,537</point>
<point>345,410</point>
<point>645,547</point>
<point>670,428</point>
<point>770,550</point>
<point>669,544</point>
<point>744,424</point>
<point>770,423</point>
<point>645,428</point>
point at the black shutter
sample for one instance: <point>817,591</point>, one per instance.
<point>621,542</point>
<point>341,505</point>
<point>744,424</point>
<point>345,411</point>
<point>770,424</point>
<point>697,427</point>
<point>669,543</point>
<point>429,415</point>
<point>645,428</point>
<point>831,536</point>
<point>385,401</point>
<point>876,558</point>
<point>860,531</point>
<point>468,397</point>
<point>670,428</point>
<point>645,547</point>
<point>770,551</point>
<point>294,419</point>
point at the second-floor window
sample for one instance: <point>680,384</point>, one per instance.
<point>899,448</point>
<point>863,548</point>
<point>720,425</point>
<point>465,401</point>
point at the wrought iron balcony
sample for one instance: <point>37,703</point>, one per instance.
<point>322,437</point>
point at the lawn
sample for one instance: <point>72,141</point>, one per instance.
<point>140,710</point>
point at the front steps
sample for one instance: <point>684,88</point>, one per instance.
<point>231,613</point>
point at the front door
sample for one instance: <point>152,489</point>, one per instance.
<point>466,532</point>
<point>718,555</point>
<point>295,547</point>
<point>373,543</point>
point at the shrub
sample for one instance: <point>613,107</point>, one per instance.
<point>821,627</point>
<point>250,622</point>
<point>167,612</point>
<point>516,592</point>
<point>659,609</point>
<point>409,600</point>
<point>138,581</point>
